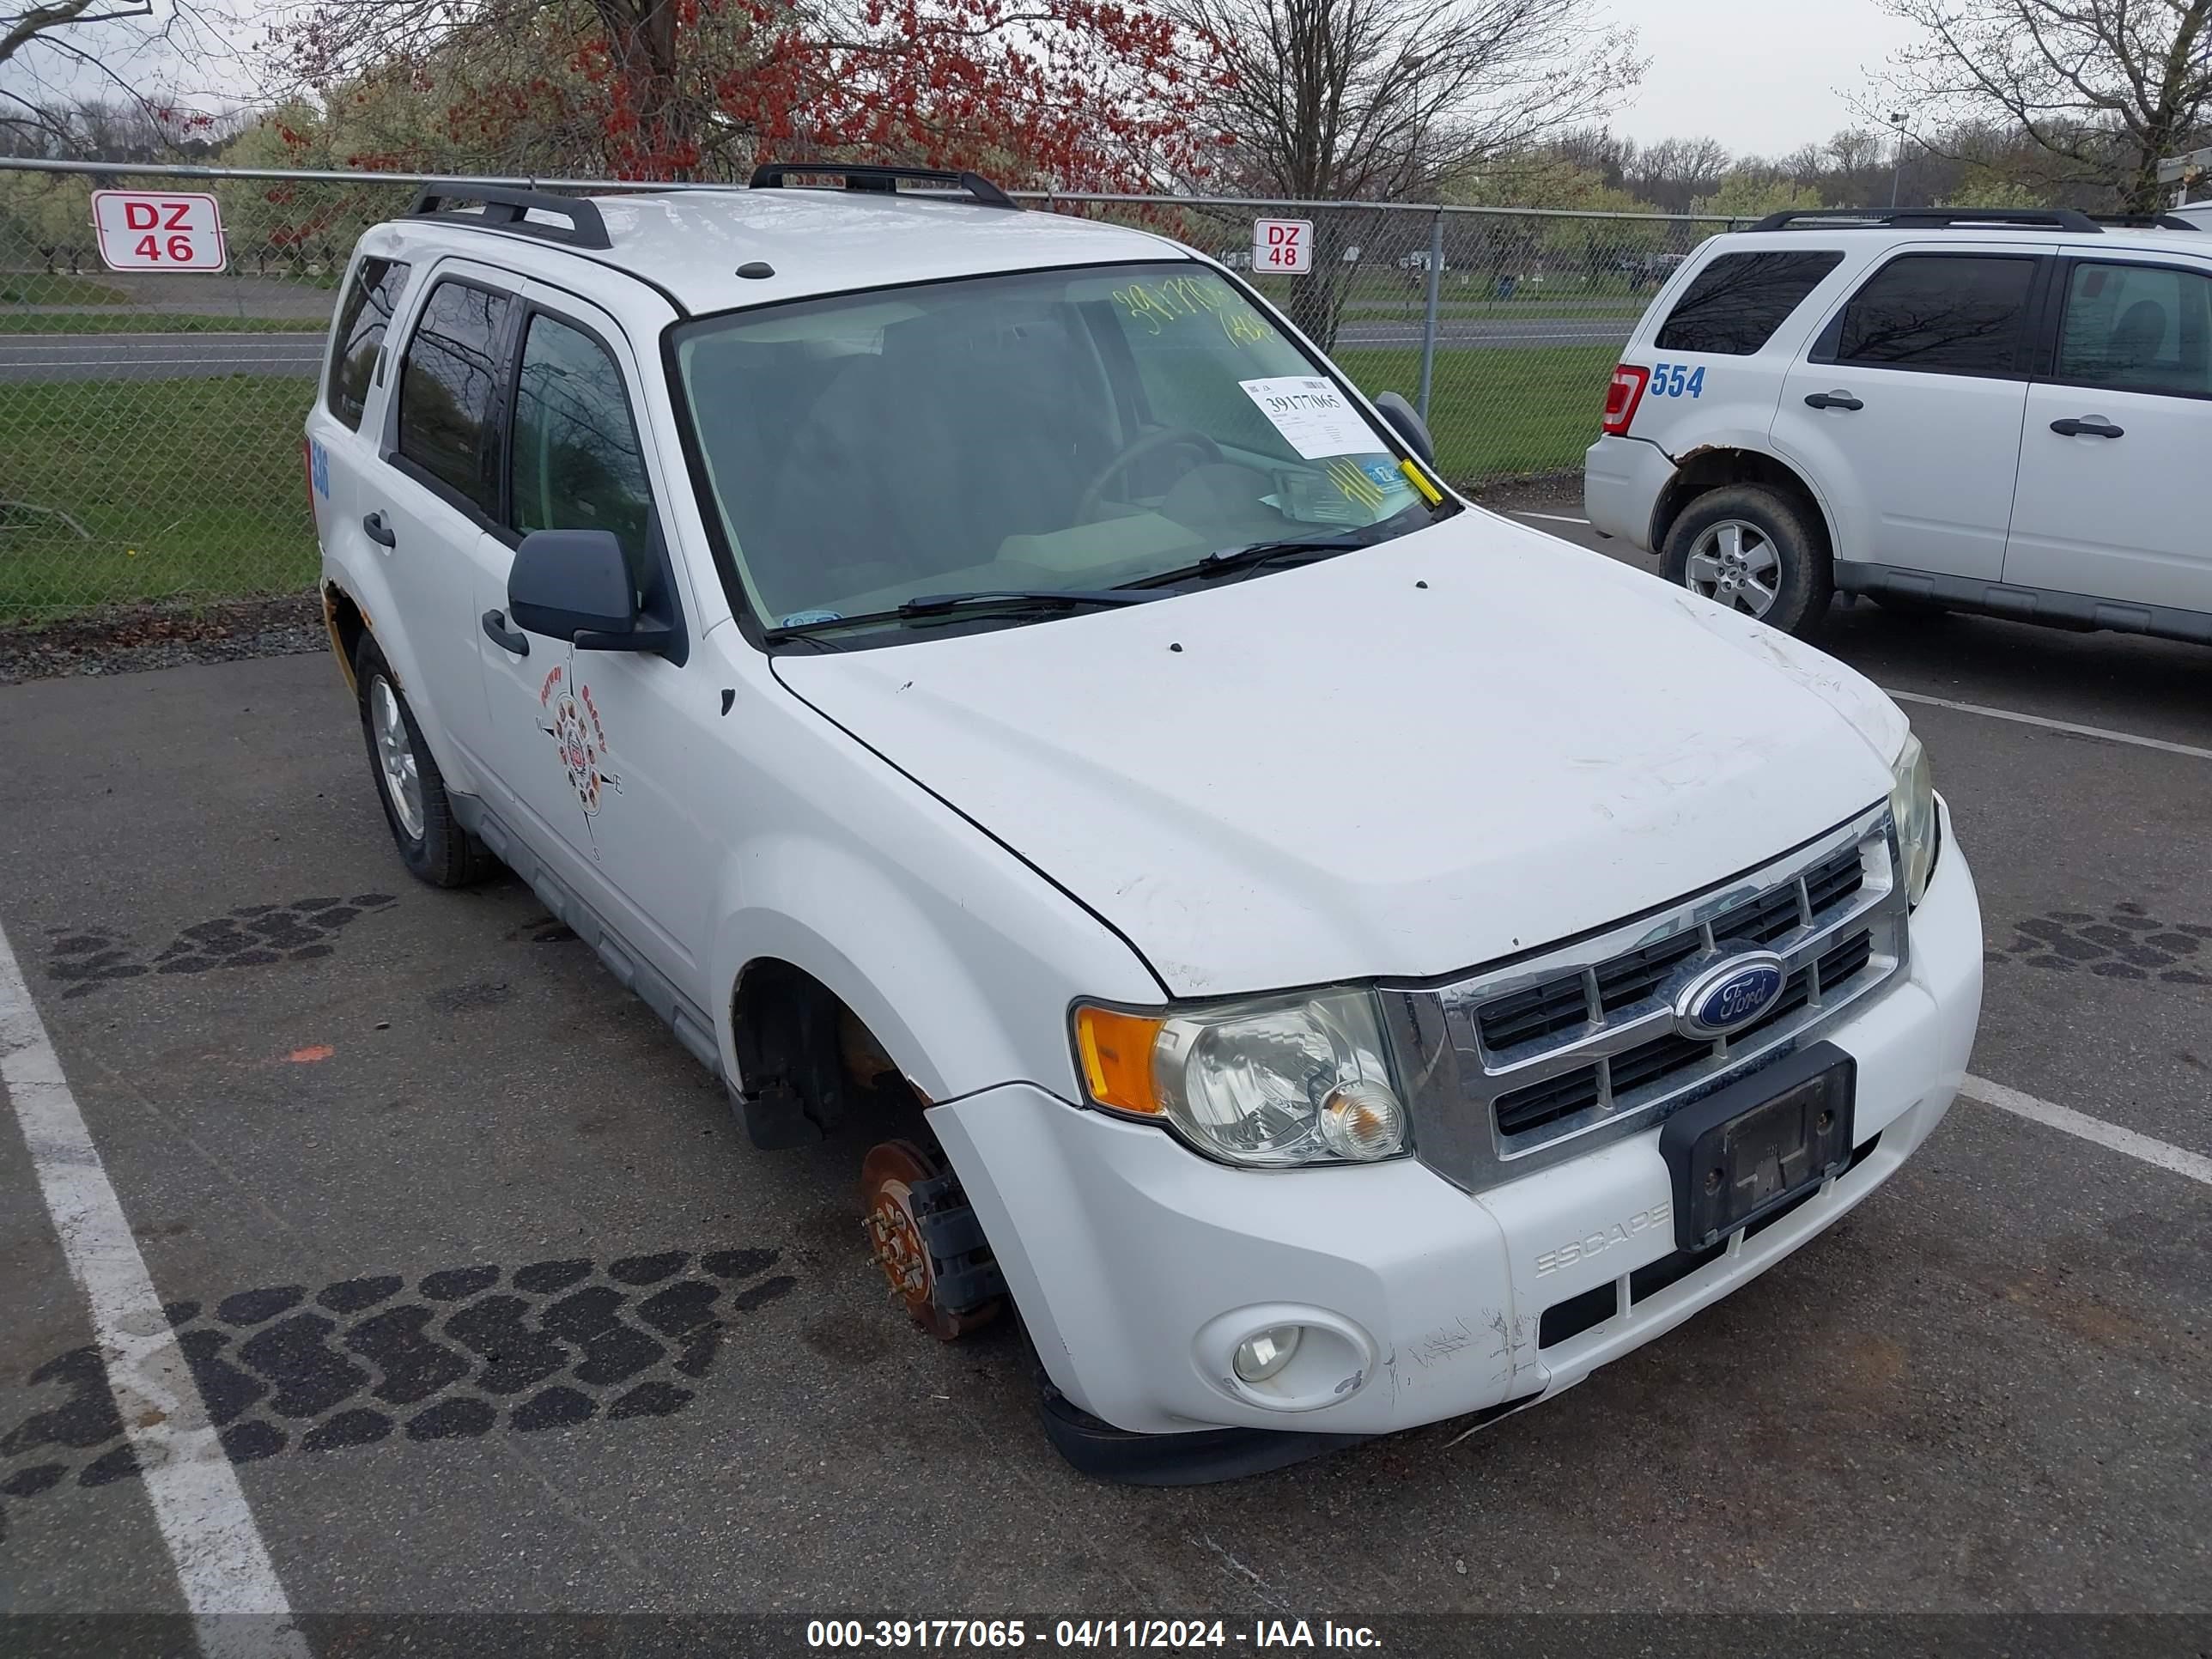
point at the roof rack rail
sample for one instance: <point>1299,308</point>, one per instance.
<point>2144,221</point>
<point>1932,219</point>
<point>507,209</point>
<point>882,181</point>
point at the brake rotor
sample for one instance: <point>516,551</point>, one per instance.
<point>889,1175</point>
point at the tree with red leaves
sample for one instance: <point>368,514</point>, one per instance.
<point>1060,94</point>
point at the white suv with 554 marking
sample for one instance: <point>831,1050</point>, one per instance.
<point>1992,411</point>
<point>1341,961</point>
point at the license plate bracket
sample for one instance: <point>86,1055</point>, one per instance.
<point>1746,1151</point>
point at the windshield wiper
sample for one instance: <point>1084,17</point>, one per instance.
<point>1232,559</point>
<point>922,605</point>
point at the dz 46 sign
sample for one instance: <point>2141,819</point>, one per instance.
<point>158,230</point>
<point>1282,247</point>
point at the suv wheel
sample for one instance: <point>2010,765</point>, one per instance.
<point>431,841</point>
<point>1756,551</point>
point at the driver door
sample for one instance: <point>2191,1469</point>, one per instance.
<point>596,752</point>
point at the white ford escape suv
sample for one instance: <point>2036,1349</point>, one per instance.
<point>1342,960</point>
<point>1992,411</point>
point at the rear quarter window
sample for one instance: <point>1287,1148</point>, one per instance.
<point>449,387</point>
<point>1733,306</point>
<point>370,301</point>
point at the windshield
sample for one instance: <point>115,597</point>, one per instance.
<point>1049,432</point>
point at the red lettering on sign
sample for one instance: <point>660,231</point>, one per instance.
<point>177,211</point>
<point>140,216</point>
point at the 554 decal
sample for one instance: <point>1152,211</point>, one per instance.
<point>1677,381</point>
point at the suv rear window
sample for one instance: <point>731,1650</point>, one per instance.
<point>1952,313</point>
<point>1734,304</point>
<point>370,303</point>
<point>449,387</point>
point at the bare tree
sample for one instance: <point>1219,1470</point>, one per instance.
<point>1676,172</point>
<point>1383,99</point>
<point>2106,87</point>
<point>20,25</point>
<point>131,49</point>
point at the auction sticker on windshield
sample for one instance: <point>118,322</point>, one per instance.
<point>1313,415</point>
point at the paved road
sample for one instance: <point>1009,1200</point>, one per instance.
<point>506,1316</point>
<point>37,357</point>
<point>34,357</point>
<point>1493,333</point>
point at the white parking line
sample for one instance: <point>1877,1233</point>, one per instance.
<point>1549,518</point>
<point>2181,1162</point>
<point>223,1567</point>
<point>2108,735</point>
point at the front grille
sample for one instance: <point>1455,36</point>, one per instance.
<point>1516,1063</point>
<point>1564,1002</point>
<point>1520,1110</point>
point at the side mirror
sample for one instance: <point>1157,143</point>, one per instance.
<point>1411,427</point>
<point>575,585</point>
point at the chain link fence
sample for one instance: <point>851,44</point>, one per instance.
<point>150,421</point>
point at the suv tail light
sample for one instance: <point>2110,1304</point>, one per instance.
<point>1622,397</point>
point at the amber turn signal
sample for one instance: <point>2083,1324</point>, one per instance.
<point>1117,1058</point>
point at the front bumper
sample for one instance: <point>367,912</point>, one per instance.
<point>1134,1260</point>
<point>1622,479</point>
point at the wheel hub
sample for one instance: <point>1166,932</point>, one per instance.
<point>902,1193</point>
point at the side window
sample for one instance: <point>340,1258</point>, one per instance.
<point>1734,304</point>
<point>449,387</point>
<point>370,303</point>
<point>576,463</point>
<point>1948,313</point>
<point>2138,328</point>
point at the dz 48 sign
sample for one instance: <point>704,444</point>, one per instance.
<point>158,230</point>
<point>1282,247</point>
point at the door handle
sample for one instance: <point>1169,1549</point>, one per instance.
<point>507,639</point>
<point>2095,427</point>
<point>378,532</point>
<point>1833,400</point>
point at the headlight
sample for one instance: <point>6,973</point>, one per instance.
<point>1271,1082</point>
<point>1912,804</point>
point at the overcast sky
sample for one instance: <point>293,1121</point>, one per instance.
<point>1763,76</point>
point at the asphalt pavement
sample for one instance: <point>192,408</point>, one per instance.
<point>30,358</point>
<point>500,1313</point>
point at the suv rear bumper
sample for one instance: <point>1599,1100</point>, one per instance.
<point>1622,479</point>
<point>1137,1264</point>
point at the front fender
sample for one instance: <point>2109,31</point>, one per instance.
<point>957,1004</point>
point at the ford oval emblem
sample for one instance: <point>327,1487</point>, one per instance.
<point>1730,994</point>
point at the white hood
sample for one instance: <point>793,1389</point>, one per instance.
<point>1403,762</point>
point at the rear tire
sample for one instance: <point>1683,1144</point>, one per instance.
<point>432,843</point>
<point>1756,551</point>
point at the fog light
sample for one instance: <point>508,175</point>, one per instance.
<point>1363,1121</point>
<point>1261,1356</point>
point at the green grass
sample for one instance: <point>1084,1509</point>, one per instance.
<point>151,322</point>
<point>180,487</point>
<point>1497,414</point>
<point>40,287</point>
